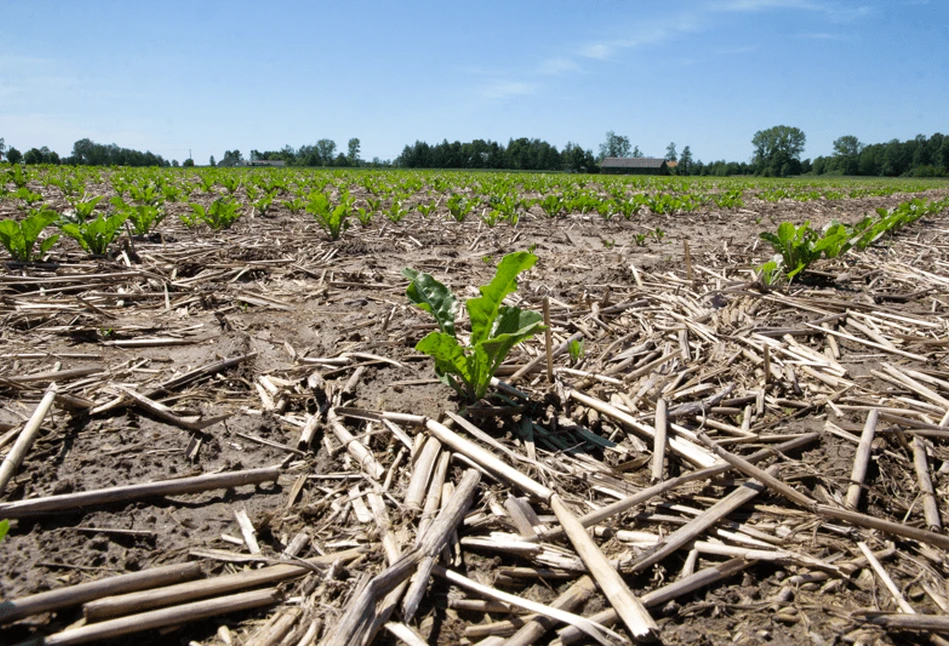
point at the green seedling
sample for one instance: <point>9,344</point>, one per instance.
<point>221,214</point>
<point>553,205</point>
<point>769,272</point>
<point>29,197</point>
<point>18,176</point>
<point>4,528</point>
<point>333,219</point>
<point>427,209</point>
<point>146,193</point>
<point>84,209</point>
<point>263,204</point>
<point>145,217</point>
<point>396,211</point>
<point>19,238</point>
<point>835,242</point>
<point>364,216</point>
<point>207,182</point>
<point>230,182</point>
<point>641,239</point>
<point>295,205</point>
<point>95,235</point>
<point>459,206</point>
<point>576,349</point>
<point>794,247</point>
<point>495,328</point>
<point>658,234</point>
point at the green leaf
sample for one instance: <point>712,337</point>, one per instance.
<point>48,243</point>
<point>450,359</point>
<point>483,311</point>
<point>4,528</point>
<point>496,328</point>
<point>12,239</point>
<point>836,241</point>
<point>433,297</point>
<point>19,238</point>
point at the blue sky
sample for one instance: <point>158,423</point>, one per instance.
<point>209,76</point>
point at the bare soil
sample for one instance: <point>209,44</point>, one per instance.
<point>276,291</point>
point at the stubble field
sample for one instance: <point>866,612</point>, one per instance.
<point>283,361</point>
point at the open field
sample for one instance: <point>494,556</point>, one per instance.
<point>268,353</point>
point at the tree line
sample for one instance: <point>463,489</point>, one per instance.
<point>322,153</point>
<point>777,152</point>
<point>918,157</point>
<point>519,154</point>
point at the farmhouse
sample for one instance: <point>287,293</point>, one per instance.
<point>634,166</point>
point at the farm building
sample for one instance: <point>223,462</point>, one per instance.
<point>634,166</point>
<point>268,162</point>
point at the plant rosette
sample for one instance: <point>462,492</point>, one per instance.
<point>495,328</point>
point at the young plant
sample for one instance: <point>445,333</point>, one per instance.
<point>459,206</point>
<point>576,349</point>
<point>83,209</point>
<point>364,216</point>
<point>19,238</point>
<point>230,182</point>
<point>29,197</point>
<point>553,205</point>
<point>146,193</point>
<point>145,217</point>
<point>333,219</point>
<point>295,205</point>
<point>18,176</point>
<point>4,528</point>
<point>264,203</point>
<point>495,328</point>
<point>427,209</point>
<point>95,236</point>
<point>396,212</point>
<point>835,241</point>
<point>794,247</point>
<point>220,215</point>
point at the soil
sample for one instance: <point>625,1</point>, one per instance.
<point>304,312</point>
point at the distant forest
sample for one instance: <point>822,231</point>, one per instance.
<point>918,157</point>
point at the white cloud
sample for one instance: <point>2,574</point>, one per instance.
<point>736,51</point>
<point>821,35</point>
<point>500,90</point>
<point>640,36</point>
<point>832,11</point>
<point>559,65</point>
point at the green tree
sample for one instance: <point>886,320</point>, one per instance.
<point>576,159</point>
<point>326,151</point>
<point>14,156</point>
<point>353,151</point>
<point>33,156</point>
<point>231,158</point>
<point>847,151</point>
<point>3,147</point>
<point>188,163</point>
<point>685,162</point>
<point>671,152</point>
<point>614,146</point>
<point>211,161</point>
<point>778,151</point>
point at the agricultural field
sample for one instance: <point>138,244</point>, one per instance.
<point>222,422</point>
